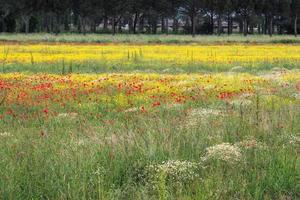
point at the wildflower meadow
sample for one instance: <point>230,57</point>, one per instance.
<point>140,120</point>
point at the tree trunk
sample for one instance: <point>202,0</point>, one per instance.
<point>130,24</point>
<point>163,29</point>
<point>3,25</point>
<point>141,24</point>
<point>135,22</point>
<point>167,26</point>
<point>271,27</point>
<point>94,27</point>
<point>212,23</point>
<point>245,28</point>
<point>119,24</point>
<point>219,25</point>
<point>252,29</point>
<point>26,19</point>
<point>175,25</point>
<point>84,26</point>
<point>105,23</point>
<point>154,25</point>
<point>266,26</point>
<point>79,24</point>
<point>193,20</point>
<point>57,27</point>
<point>66,23</point>
<point>241,26</point>
<point>114,25</point>
<point>295,26</point>
<point>51,23</point>
<point>228,25</point>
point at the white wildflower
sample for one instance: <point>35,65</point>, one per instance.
<point>132,110</point>
<point>5,134</point>
<point>198,115</point>
<point>294,139</point>
<point>224,152</point>
<point>174,170</point>
<point>68,115</point>
<point>204,112</point>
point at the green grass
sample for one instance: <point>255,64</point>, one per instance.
<point>84,158</point>
<point>149,39</point>
<point>140,66</point>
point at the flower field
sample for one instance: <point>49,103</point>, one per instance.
<point>165,122</point>
<point>176,54</point>
<point>122,92</point>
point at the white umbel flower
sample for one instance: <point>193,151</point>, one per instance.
<point>224,152</point>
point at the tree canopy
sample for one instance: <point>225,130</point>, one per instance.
<point>151,16</point>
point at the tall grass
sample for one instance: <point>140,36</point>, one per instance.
<point>86,159</point>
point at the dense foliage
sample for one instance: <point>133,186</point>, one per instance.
<point>151,16</point>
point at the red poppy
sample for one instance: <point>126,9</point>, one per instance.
<point>46,111</point>
<point>155,104</point>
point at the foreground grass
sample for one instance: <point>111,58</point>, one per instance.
<point>236,138</point>
<point>78,158</point>
<point>146,39</point>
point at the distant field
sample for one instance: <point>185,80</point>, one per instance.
<point>162,58</point>
<point>145,39</point>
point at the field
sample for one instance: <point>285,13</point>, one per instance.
<point>182,118</point>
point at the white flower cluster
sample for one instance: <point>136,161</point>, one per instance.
<point>174,171</point>
<point>198,115</point>
<point>68,115</point>
<point>132,110</point>
<point>5,134</point>
<point>294,139</point>
<point>224,152</point>
<point>290,141</point>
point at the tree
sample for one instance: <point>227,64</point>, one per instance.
<point>5,9</point>
<point>295,10</point>
<point>56,9</point>
<point>199,15</point>
<point>270,10</point>
<point>220,9</point>
<point>246,9</point>
<point>191,8</point>
<point>135,9</point>
<point>229,11</point>
<point>24,10</point>
<point>210,9</point>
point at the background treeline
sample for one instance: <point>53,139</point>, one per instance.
<point>151,16</point>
